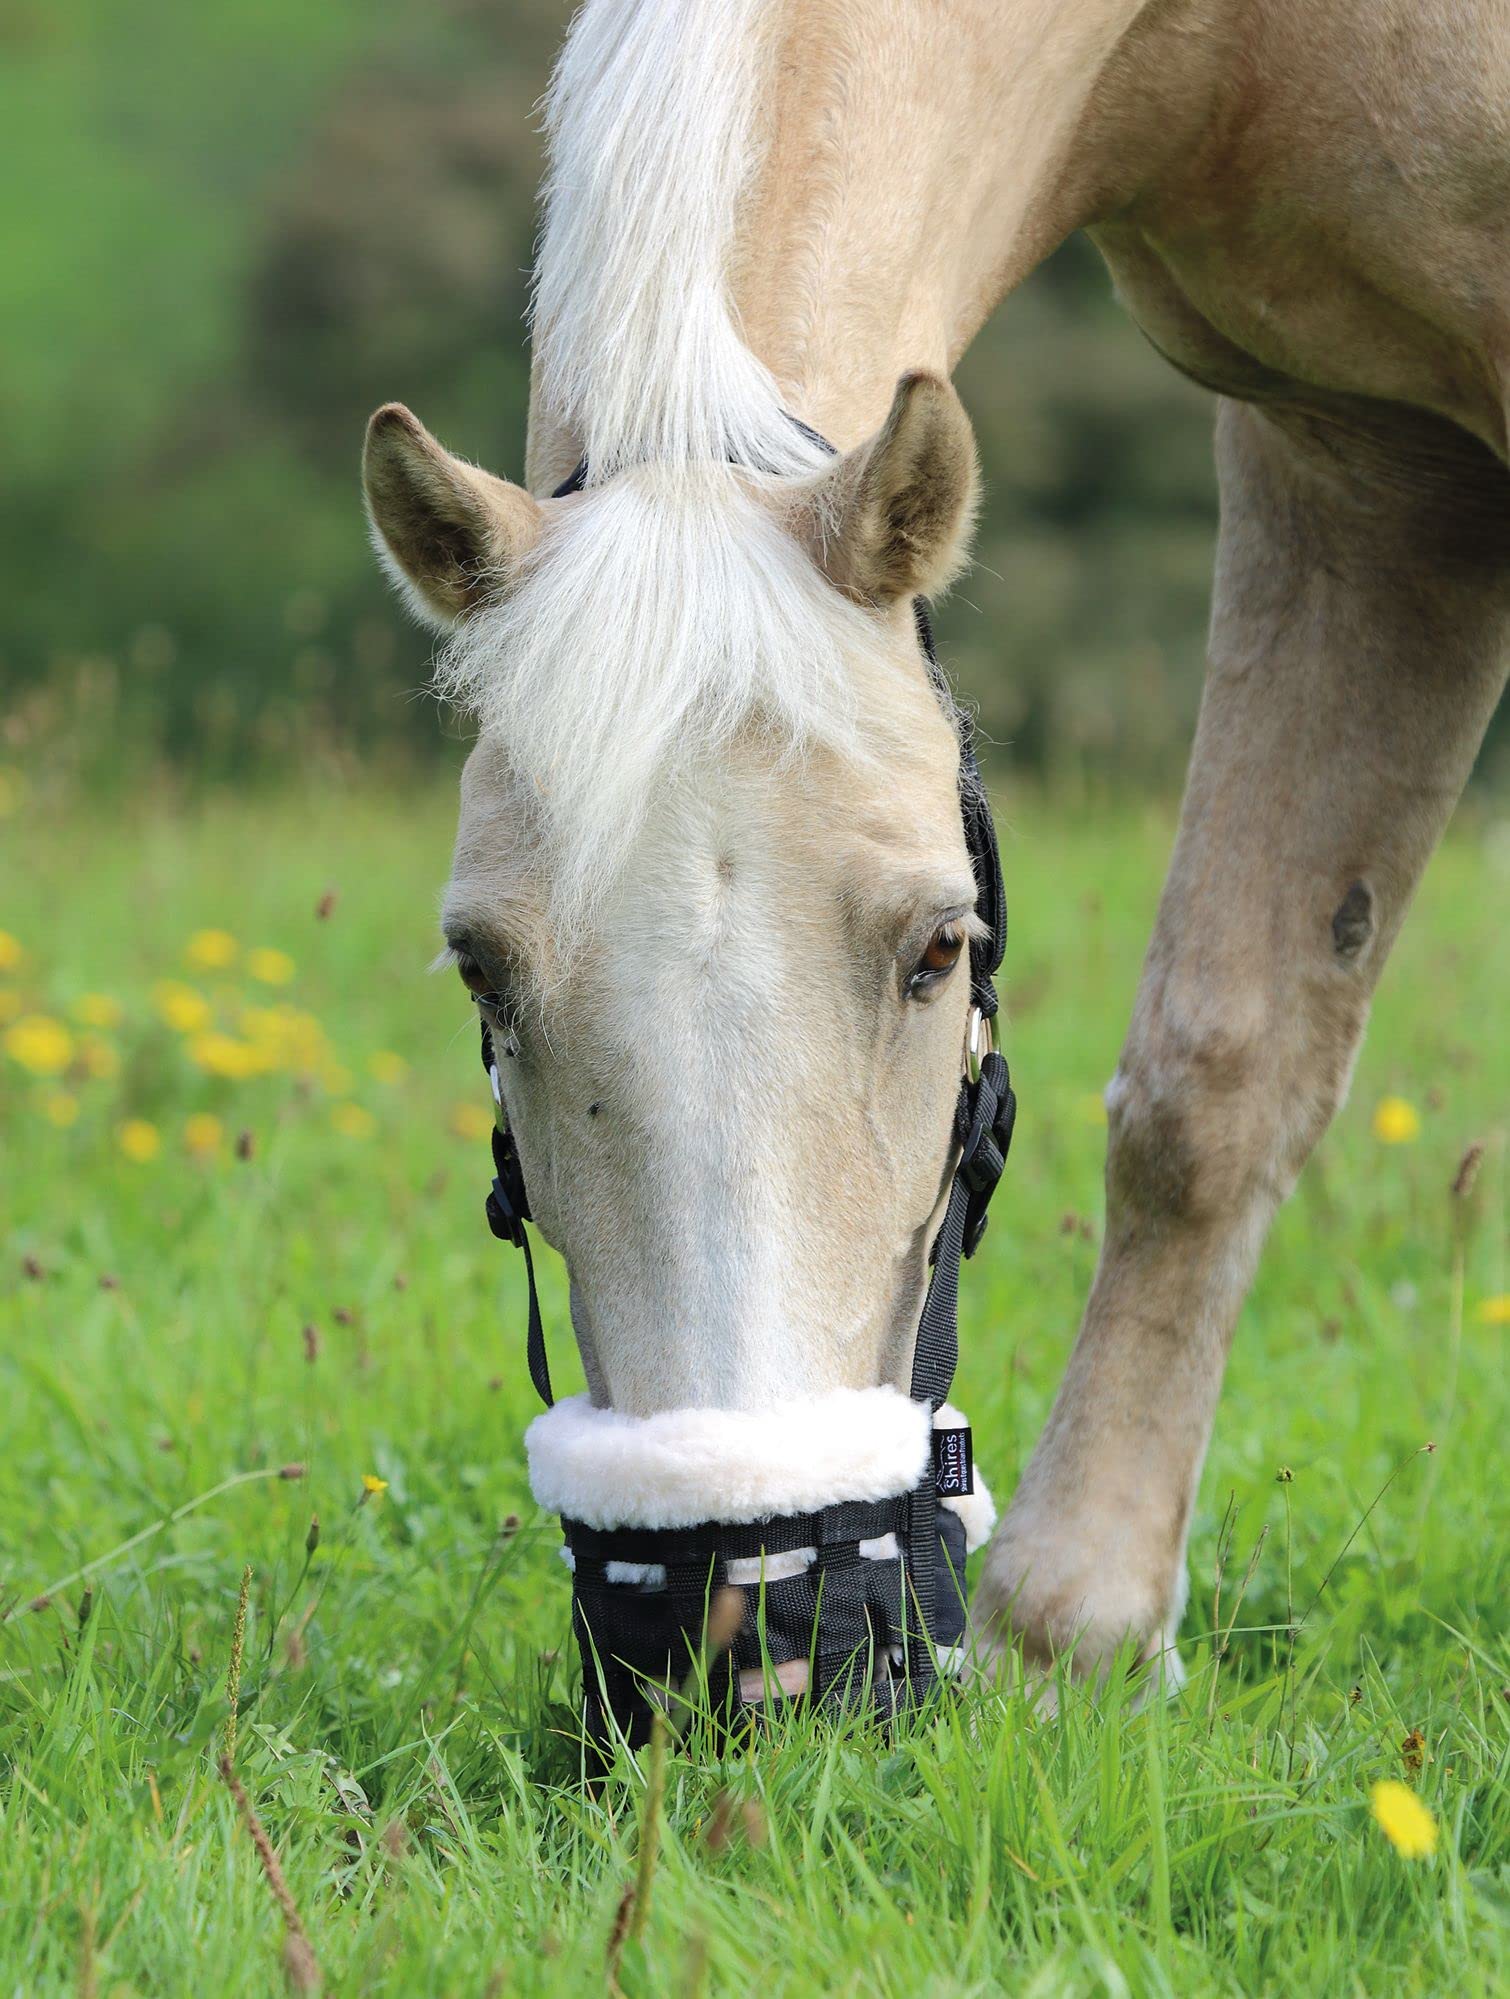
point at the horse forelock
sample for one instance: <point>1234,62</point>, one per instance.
<point>661,616</point>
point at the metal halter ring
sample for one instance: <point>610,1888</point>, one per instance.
<point>980,1041</point>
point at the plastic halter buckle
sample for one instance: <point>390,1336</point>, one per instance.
<point>507,1207</point>
<point>988,1114</point>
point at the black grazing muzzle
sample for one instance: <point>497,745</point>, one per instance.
<point>880,1588</point>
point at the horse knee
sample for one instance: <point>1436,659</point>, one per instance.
<point>1212,1108</point>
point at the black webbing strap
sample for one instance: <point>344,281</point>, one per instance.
<point>984,1119</point>
<point>827,1527</point>
<point>508,1210</point>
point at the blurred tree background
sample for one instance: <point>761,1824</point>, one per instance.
<point>230,232</point>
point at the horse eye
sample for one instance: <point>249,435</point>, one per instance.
<point>942,955</point>
<point>473,977</point>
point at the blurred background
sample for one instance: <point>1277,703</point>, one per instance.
<point>231,232</point>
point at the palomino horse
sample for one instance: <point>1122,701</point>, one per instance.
<point>710,865</point>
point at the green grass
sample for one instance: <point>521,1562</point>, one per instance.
<point>402,1699</point>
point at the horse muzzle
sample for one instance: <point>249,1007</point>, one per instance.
<point>816,1546</point>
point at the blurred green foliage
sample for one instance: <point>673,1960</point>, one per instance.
<point>231,232</point>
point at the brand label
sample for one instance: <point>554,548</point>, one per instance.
<point>953,1464</point>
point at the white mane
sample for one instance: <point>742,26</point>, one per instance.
<point>666,606</point>
<point>652,122</point>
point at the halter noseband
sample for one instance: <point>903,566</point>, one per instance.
<point>882,1588</point>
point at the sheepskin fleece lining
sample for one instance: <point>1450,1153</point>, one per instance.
<point>687,1466</point>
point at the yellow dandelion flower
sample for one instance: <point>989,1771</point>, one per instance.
<point>11,952</point>
<point>1494,1311</point>
<point>387,1066</point>
<point>59,1108</point>
<point>1396,1122</point>
<point>223,1055</point>
<point>139,1140</point>
<point>373,1486</point>
<point>210,950</point>
<point>1405,1822</point>
<point>98,1010</point>
<point>202,1135</point>
<point>40,1044</point>
<point>185,1010</point>
<point>469,1120</point>
<point>99,1059</point>
<point>351,1121</point>
<point>270,967</point>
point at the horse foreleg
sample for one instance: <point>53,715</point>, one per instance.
<point>1358,647</point>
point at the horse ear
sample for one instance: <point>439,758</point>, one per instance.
<point>450,535</point>
<point>892,517</point>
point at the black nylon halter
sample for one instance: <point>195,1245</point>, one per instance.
<point>858,1596</point>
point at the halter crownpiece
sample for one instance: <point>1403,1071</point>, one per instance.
<point>844,1521</point>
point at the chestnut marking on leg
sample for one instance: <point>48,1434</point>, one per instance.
<point>1353,924</point>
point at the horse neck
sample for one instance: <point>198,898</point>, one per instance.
<point>918,161</point>
<point>912,162</point>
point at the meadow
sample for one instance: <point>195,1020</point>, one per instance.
<point>250,1316</point>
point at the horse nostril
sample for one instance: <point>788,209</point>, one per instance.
<point>789,1678</point>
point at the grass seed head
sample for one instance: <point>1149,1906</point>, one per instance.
<point>233,1671</point>
<point>1468,1172</point>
